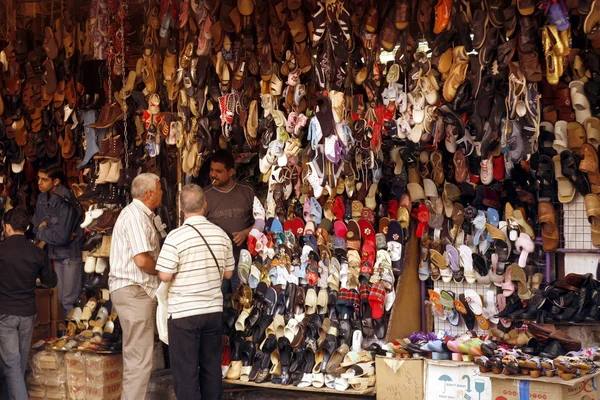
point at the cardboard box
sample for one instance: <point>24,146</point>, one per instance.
<point>455,380</point>
<point>399,378</point>
<point>104,377</point>
<point>40,332</point>
<point>96,362</point>
<point>109,391</point>
<point>56,310</point>
<point>42,305</point>
<point>524,387</point>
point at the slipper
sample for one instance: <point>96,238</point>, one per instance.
<point>447,301</point>
<point>474,301</point>
<point>491,310</point>
<point>244,266</point>
<point>579,101</point>
<point>437,260</point>
<point>359,370</point>
<point>341,384</point>
<point>524,245</point>
<point>377,300</point>
<point>508,287</point>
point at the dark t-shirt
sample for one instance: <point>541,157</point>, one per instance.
<point>21,262</point>
<point>230,210</point>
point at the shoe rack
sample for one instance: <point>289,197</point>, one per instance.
<point>538,262</point>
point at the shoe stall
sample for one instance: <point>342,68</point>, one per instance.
<point>421,167</point>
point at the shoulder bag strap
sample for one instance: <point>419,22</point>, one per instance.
<point>209,249</point>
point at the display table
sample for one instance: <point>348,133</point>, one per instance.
<point>516,387</point>
<point>267,385</point>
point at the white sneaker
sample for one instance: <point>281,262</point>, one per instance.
<point>313,178</point>
<point>487,171</point>
<point>257,209</point>
<point>275,150</point>
<point>91,216</point>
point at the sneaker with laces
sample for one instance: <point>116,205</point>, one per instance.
<point>314,179</point>
<point>273,152</point>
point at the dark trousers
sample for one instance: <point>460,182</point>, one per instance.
<point>195,350</point>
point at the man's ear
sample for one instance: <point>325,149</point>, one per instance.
<point>56,182</point>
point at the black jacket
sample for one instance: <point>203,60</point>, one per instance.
<point>63,235</point>
<point>21,263</point>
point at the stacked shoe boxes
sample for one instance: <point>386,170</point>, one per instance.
<point>94,376</point>
<point>48,378</point>
<point>104,376</point>
<point>75,368</point>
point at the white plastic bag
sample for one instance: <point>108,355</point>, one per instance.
<point>162,295</point>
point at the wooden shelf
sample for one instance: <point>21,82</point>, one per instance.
<point>555,379</point>
<point>267,385</point>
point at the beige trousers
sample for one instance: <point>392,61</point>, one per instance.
<point>137,314</point>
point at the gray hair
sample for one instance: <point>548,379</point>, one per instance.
<point>142,184</point>
<point>192,199</point>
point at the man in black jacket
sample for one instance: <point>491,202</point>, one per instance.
<point>56,222</point>
<point>21,263</point>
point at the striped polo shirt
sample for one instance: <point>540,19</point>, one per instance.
<point>196,287</point>
<point>134,233</point>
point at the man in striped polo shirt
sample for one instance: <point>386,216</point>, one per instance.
<point>195,259</point>
<point>132,282</point>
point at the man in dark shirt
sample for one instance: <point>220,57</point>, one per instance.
<point>21,263</point>
<point>229,206</point>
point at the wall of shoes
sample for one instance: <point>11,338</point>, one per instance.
<point>478,143</point>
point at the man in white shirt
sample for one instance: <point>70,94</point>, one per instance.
<point>133,282</point>
<point>195,258</point>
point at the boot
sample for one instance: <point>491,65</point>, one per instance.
<point>104,148</point>
<point>93,136</point>
<point>101,121</point>
<point>104,170</point>
<point>115,147</point>
<point>112,114</point>
<point>94,191</point>
<point>115,171</point>
<point>112,196</point>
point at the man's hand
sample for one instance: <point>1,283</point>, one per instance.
<point>240,237</point>
<point>41,244</point>
<point>43,224</point>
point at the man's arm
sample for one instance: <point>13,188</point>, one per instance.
<point>226,275</point>
<point>146,263</point>
<point>59,234</point>
<point>164,276</point>
<point>240,237</point>
<point>47,275</point>
<point>229,260</point>
<point>168,261</point>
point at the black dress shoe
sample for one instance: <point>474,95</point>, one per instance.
<point>584,302</point>
<point>92,242</point>
<point>258,332</point>
<point>92,282</point>
<point>290,295</point>
<point>553,350</point>
<point>253,319</point>
<point>513,303</point>
<point>533,305</point>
